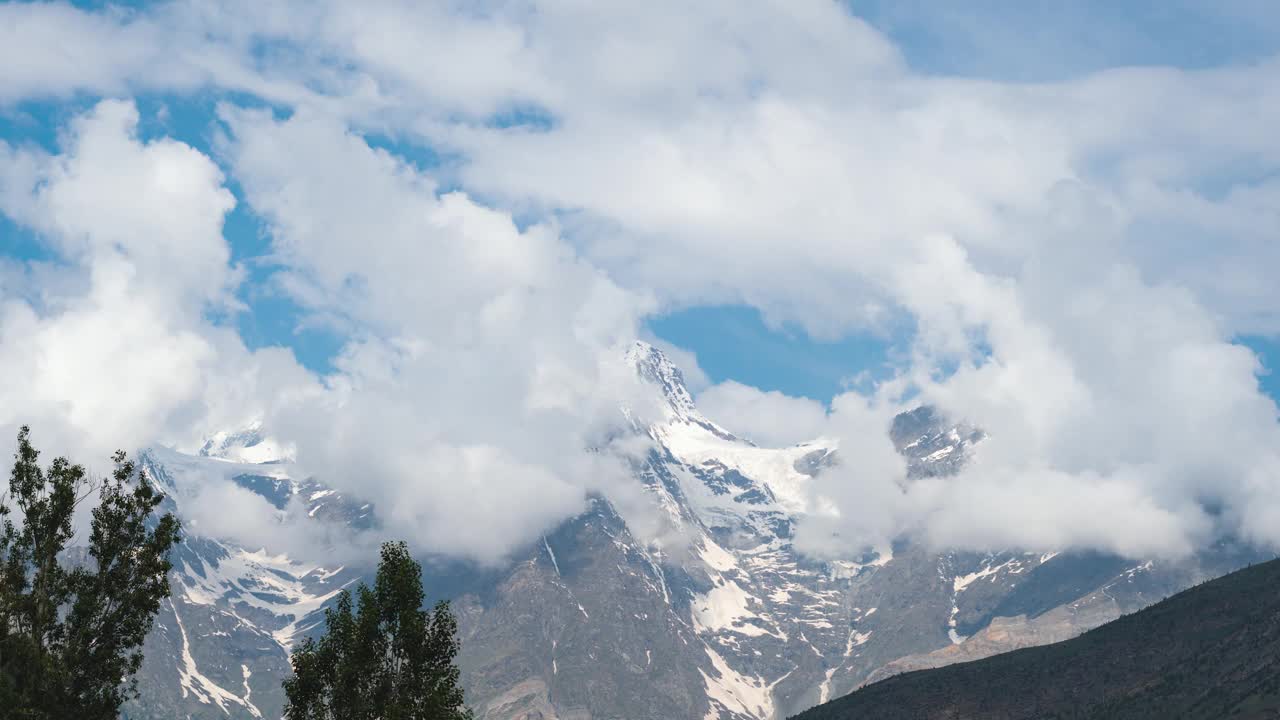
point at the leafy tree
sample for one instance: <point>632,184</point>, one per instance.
<point>72,621</point>
<point>382,656</point>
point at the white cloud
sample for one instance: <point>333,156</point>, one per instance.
<point>1099,387</point>
<point>1082,252</point>
<point>214,505</point>
<point>772,419</point>
<point>52,49</point>
<point>487,360</point>
<point>113,350</point>
<point>106,344</point>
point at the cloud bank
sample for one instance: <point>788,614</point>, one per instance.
<point>1074,257</point>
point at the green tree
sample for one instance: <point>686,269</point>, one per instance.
<point>382,657</point>
<point>72,620</point>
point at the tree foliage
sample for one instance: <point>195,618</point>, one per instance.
<point>382,656</point>
<point>72,621</point>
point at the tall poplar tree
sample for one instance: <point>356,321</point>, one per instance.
<point>382,657</point>
<point>71,633</point>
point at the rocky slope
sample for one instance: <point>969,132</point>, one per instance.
<point>1210,652</point>
<point>721,618</point>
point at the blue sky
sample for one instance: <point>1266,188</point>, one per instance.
<point>1268,350</point>
<point>1039,40</point>
<point>734,343</point>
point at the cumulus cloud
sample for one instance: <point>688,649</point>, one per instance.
<point>1100,385</point>
<point>214,505</point>
<point>484,369</point>
<point>488,361</point>
<point>106,342</point>
<point>114,349</point>
<point>1118,416</point>
<point>1056,243</point>
<point>1074,258</point>
<point>772,419</point>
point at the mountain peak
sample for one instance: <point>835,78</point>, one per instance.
<point>656,368</point>
<point>248,445</point>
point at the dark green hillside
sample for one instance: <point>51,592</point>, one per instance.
<point>1207,653</point>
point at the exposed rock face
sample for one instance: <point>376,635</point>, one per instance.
<point>1012,633</point>
<point>1212,651</point>
<point>582,628</point>
<point>932,445</point>
<point>716,616</point>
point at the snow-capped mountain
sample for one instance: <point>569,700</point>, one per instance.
<point>720,618</point>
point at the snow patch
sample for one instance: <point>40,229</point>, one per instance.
<point>724,607</point>
<point>735,692</point>
<point>695,445</point>
<point>963,581</point>
<point>554,564</point>
<point>248,692</point>
<point>193,682</point>
<point>958,585</point>
<point>824,690</point>
<point>854,640</point>
<point>717,557</point>
<point>283,587</point>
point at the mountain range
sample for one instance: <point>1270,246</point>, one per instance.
<point>1209,652</point>
<point>591,620</point>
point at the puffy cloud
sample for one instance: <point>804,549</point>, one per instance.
<point>113,348</point>
<point>1098,387</point>
<point>1074,257</point>
<point>861,501</point>
<point>213,504</point>
<point>484,364</point>
<point>53,49</point>
<point>106,343</point>
<point>767,418</point>
<point>486,361</point>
